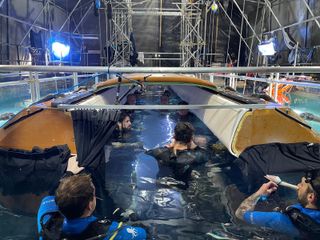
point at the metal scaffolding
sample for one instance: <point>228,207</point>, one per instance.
<point>203,34</point>
<point>118,18</point>
<point>192,41</point>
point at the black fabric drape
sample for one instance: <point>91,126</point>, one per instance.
<point>277,158</point>
<point>31,171</point>
<point>92,129</point>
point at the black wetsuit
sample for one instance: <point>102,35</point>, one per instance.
<point>183,162</point>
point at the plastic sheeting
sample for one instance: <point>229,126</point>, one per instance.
<point>276,158</point>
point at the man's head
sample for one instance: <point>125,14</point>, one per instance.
<point>75,196</point>
<point>131,99</point>
<point>183,112</point>
<point>124,121</point>
<point>309,191</point>
<point>183,132</point>
<point>164,99</point>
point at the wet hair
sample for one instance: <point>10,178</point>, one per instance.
<point>166,93</point>
<point>183,132</point>
<point>123,116</point>
<point>313,178</point>
<point>316,190</point>
<point>129,96</point>
<point>183,103</point>
<point>74,194</point>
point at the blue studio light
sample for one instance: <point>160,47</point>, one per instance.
<point>267,48</point>
<point>60,50</point>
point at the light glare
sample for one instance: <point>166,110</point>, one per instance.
<point>60,50</point>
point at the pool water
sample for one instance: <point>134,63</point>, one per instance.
<point>206,207</point>
<point>205,210</point>
<point>306,103</point>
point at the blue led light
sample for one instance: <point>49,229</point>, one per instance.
<point>60,50</point>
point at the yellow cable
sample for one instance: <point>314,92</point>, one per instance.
<point>116,232</point>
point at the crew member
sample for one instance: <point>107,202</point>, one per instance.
<point>298,220</point>
<point>182,155</point>
<point>69,214</point>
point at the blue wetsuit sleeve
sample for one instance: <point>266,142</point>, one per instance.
<point>274,220</point>
<point>47,206</point>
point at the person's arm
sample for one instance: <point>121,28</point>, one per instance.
<point>73,167</point>
<point>250,203</point>
<point>276,221</point>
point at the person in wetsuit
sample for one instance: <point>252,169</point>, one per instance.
<point>184,115</point>
<point>122,132</point>
<point>69,214</point>
<point>182,155</point>
<point>301,220</point>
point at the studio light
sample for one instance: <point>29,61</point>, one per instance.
<point>267,48</point>
<point>214,6</point>
<point>60,50</point>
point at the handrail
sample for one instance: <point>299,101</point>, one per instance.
<point>171,107</point>
<point>267,80</point>
<point>106,69</point>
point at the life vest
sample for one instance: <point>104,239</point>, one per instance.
<point>307,221</point>
<point>53,226</point>
<point>282,93</point>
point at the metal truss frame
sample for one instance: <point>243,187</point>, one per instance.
<point>193,45</point>
<point>118,32</point>
<point>192,42</point>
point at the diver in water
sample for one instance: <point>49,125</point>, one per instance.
<point>299,220</point>
<point>131,100</point>
<point>184,115</point>
<point>6,116</point>
<point>182,155</point>
<point>123,129</point>
<point>69,214</point>
<point>310,117</point>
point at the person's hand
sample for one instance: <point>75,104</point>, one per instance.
<point>267,188</point>
<point>73,165</point>
<point>137,144</point>
<point>117,144</point>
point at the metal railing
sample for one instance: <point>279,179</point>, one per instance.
<point>186,70</point>
<point>232,73</point>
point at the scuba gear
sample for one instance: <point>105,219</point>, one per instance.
<point>310,177</point>
<point>53,226</point>
<point>307,221</point>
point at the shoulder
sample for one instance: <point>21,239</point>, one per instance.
<point>156,152</point>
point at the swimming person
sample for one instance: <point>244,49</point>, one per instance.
<point>121,132</point>
<point>182,155</point>
<point>123,125</point>
<point>184,115</point>
<point>298,220</point>
<point>131,99</point>
<point>310,117</point>
<point>6,116</point>
<point>69,214</point>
